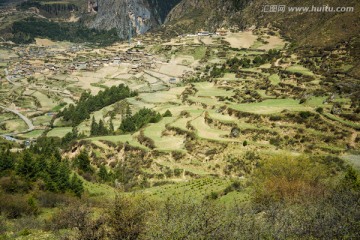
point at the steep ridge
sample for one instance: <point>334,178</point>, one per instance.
<point>191,15</point>
<point>130,16</point>
<point>315,29</point>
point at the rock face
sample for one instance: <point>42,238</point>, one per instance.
<point>130,16</point>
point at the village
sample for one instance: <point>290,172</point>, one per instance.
<point>181,74</point>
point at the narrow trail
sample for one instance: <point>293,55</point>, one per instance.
<point>352,139</point>
<point>24,118</point>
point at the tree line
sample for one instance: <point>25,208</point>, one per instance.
<point>134,122</point>
<point>22,171</point>
<point>88,103</point>
<point>25,31</point>
<point>234,64</point>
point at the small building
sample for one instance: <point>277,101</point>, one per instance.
<point>81,66</point>
<point>172,80</point>
<point>9,138</point>
<point>203,33</point>
<point>222,32</point>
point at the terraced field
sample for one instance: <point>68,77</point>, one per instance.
<point>223,117</point>
<point>129,139</point>
<point>271,106</point>
<point>163,142</point>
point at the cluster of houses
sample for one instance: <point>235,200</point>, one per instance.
<point>219,32</point>
<point>35,59</point>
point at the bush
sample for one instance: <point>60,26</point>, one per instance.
<point>51,200</point>
<point>16,206</point>
<point>288,179</point>
<point>73,216</point>
<point>305,115</point>
<point>13,184</point>
<point>319,110</point>
<point>128,217</point>
<point>167,114</point>
<point>178,172</point>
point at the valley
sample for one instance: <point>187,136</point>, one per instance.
<point>229,131</point>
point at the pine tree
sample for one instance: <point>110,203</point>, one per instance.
<point>83,161</point>
<point>63,178</point>
<point>167,113</point>
<point>111,127</point>
<point>101,128</point>
<point>103,174</point>
<point>94,128</point>
<point>27,166</point>
<point>6,160</point>
<point>128,112</point>
<point>51,179</point>
<point>76,185</point>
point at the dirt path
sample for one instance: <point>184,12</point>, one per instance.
<point>277,62</point>
<point>352,139</point>
<point>25,119</point>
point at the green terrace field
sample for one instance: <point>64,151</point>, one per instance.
<point>205,131</point>
<point>59,132</point>
<point>275,79</point>
<point>206,89</point>
<point>33,134</point>
<point>129,139</point>
<point>272,106</point>
<point>162,142</point>
<point>197,189</point>
<point>300,69</point>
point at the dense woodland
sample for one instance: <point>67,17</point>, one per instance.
<point>25,31</point>
<point>88,103</point>
<point>138,120</point>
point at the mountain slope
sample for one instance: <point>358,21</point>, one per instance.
<point>192,15</point>
<point>139,16</point>
<point>317,29</point>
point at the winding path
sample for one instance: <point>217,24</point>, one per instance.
<point>8,79</point>
<point>24,118</point>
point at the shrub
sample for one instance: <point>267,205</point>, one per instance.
<point>167,113</point>
<point>51,200</point>
<point>319,110</point>
<point>288,179</point>
<point>73,216</point>
<point>305,115</point>
<point>128,217</point>
<point>16,206</point>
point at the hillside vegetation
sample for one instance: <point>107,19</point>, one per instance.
<point>252,133</point>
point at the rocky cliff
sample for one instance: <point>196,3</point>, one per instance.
<point>130,16</point>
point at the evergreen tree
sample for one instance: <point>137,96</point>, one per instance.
<point>111,127</point>
<point>167,113</point>
<point>83,161</point>
<point>103,174</point>
<point>128,112</point>
<point>6,160</point>
<point>94,128</point>
<point>102,130</point>
<point>27,166</point>
<point>51,175</point>
<point>76,185</point>
<point>63,178</point>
